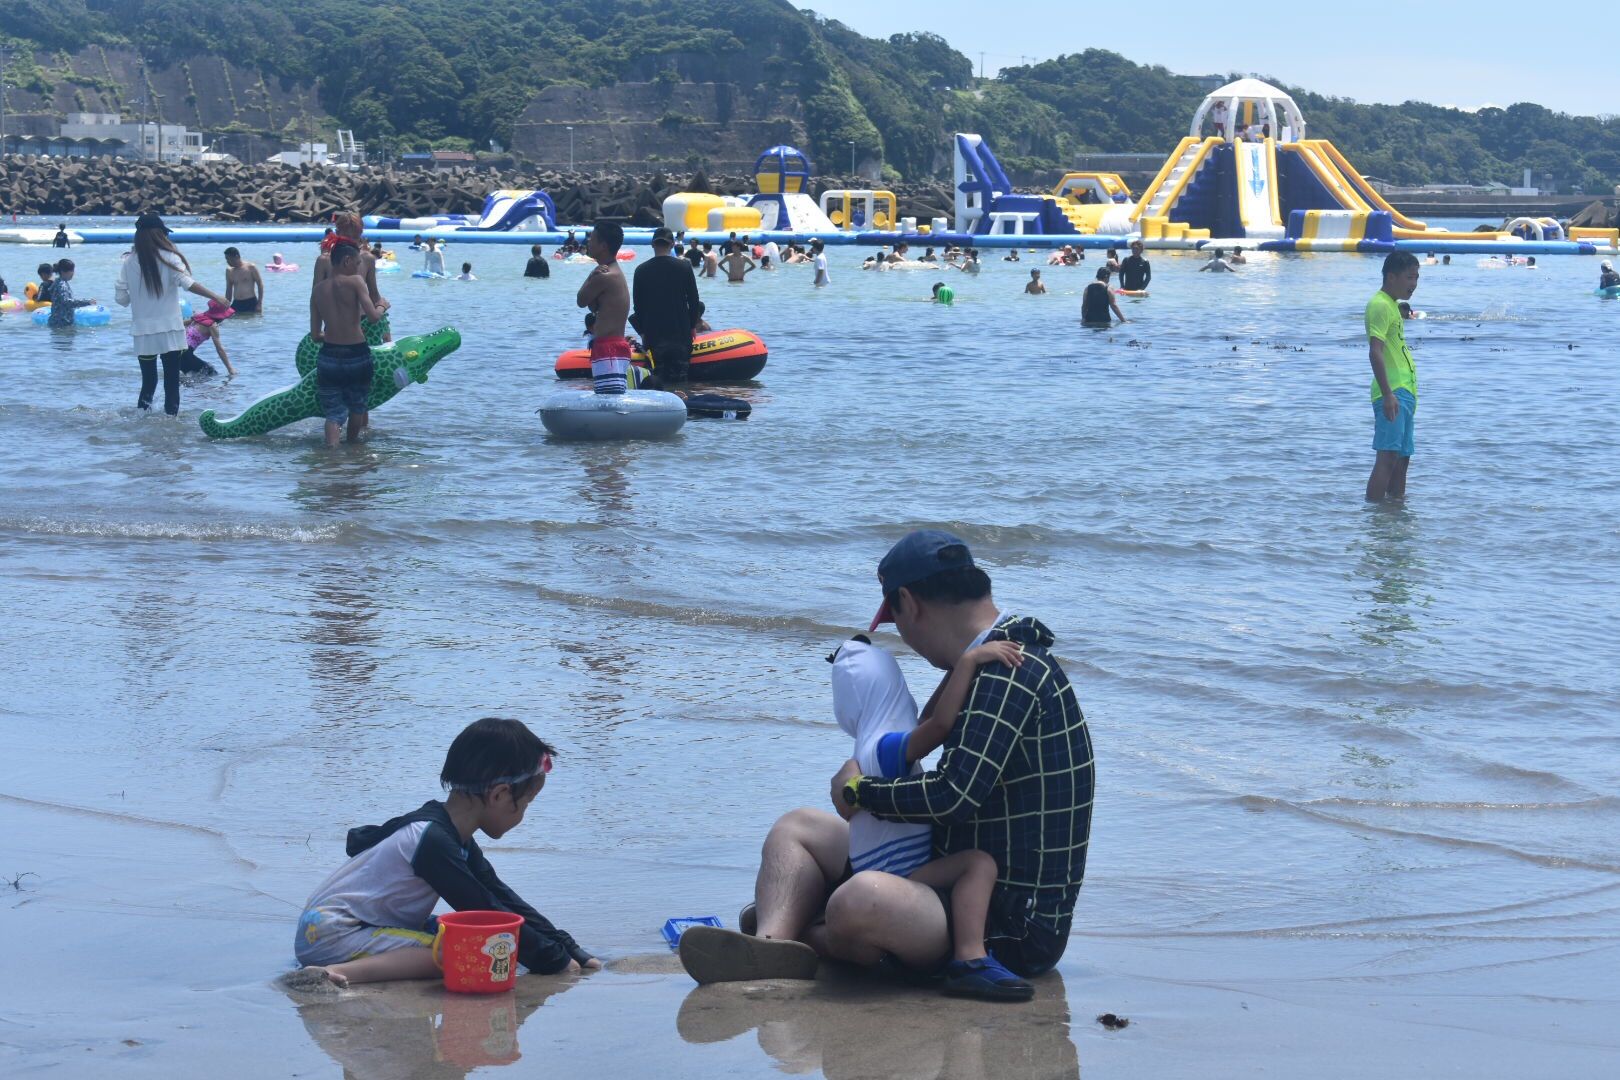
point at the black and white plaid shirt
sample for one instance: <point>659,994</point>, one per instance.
<point>1015,779</point>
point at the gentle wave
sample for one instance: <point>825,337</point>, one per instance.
<point>169,530</point>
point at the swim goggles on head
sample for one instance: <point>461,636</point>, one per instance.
<point>510,781</point>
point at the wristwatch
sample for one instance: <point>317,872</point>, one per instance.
<point>852,790</point>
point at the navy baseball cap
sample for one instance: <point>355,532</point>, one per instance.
<point>919,554</point>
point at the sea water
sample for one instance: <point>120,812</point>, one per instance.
<point>1341,750</point>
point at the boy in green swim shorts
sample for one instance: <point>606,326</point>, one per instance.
<point>1394,386</point>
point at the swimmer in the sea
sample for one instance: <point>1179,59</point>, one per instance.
<point>736,265</point>
<point>244,285</point>
<point>1096,301</point>
<point>1035,287</point>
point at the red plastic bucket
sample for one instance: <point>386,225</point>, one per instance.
<point>477,951</point>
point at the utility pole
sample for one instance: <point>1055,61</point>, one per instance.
<point>852,157</point>
<point>2,101</point>
<point>570,148</point>
<point>981,64</point>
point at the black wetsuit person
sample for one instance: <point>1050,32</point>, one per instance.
<point>1135,272</point>
<point>664,296</point>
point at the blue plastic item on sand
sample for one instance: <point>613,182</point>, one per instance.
<point>674,928</point>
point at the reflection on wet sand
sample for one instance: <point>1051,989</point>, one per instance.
<point>851,1027</point>
<point>343,588</point>
<point>419,1030</point>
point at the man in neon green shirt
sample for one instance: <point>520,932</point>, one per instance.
<point>1394,386</point>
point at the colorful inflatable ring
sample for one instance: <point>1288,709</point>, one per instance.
<point>717,356</point>
<point>1607,292</point>
<point>10,305</point>
<point>281,268</point>
<point>397,365</point>
<point>1130,292</point>
<point>428,274</point>
<point>94,315</point>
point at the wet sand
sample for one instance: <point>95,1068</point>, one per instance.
<point>141,950</point>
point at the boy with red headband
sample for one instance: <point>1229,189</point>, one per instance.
<point>347,227</point>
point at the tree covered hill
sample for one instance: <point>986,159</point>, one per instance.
<point>448,72</point>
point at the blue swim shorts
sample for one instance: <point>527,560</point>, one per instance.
<point>342,380</point>
<point>1395,434</point>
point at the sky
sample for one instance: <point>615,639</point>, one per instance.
<point>1440,51</point>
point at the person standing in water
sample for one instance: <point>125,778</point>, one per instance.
<point>244,285</point>
<point>1135,272</point>
<point>606,294</point>
<point>1096,301</point>
<point>63,305</point>
<point>149,284</point>
<point>537,266</point>
<point>1394,384</point>
<point>1035,286</point>
<point>344,369</point>
<point>737,264</point>
<point>60,240</point>
<point>667,309</point>
<point>819,257</point>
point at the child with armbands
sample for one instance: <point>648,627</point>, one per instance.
<point>372,920</point>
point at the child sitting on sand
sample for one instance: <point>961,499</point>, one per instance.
<point>872,703</point>
<point>372,920</point>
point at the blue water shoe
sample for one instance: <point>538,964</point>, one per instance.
<point>985,979</point>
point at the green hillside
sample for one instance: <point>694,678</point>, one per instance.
<point>459,72</point>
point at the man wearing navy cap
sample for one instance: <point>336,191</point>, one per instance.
<point>667,309</point>
<point>1014,779</point>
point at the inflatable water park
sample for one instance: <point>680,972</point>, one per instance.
<point>1247,173</point>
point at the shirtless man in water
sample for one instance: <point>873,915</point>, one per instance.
<point>607,296</point>
<point>344,368</point>
<point>244,285</point>
<point>348,228</point>
<point>736,265</point>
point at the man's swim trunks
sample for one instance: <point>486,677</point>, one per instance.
<point>246,306</point>
<point>342,380</point>
<point>1396,434</point>
<point>610,362</point>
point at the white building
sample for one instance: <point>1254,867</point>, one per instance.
<point>108,134</point>
<point>308,153</point>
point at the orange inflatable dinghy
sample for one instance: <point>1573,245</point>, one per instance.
<point>717,356</point>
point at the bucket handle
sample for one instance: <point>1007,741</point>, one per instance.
<point>438,946</point>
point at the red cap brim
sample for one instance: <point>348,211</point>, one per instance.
<point>884,615</point>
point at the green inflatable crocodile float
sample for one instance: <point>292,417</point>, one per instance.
<point>397,365</point>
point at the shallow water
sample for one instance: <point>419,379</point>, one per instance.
<point>1341,750</point>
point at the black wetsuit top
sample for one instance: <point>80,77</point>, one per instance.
<point>694,255</point>
<point>1609,280</point>
<point>665,299</point>
<point>1135,273</point>
<point>1094,305</point>
<point>538,267</point>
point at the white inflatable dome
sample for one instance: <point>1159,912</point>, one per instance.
<point>1250,101</point>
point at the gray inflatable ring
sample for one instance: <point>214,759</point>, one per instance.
<point>635,414</point>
